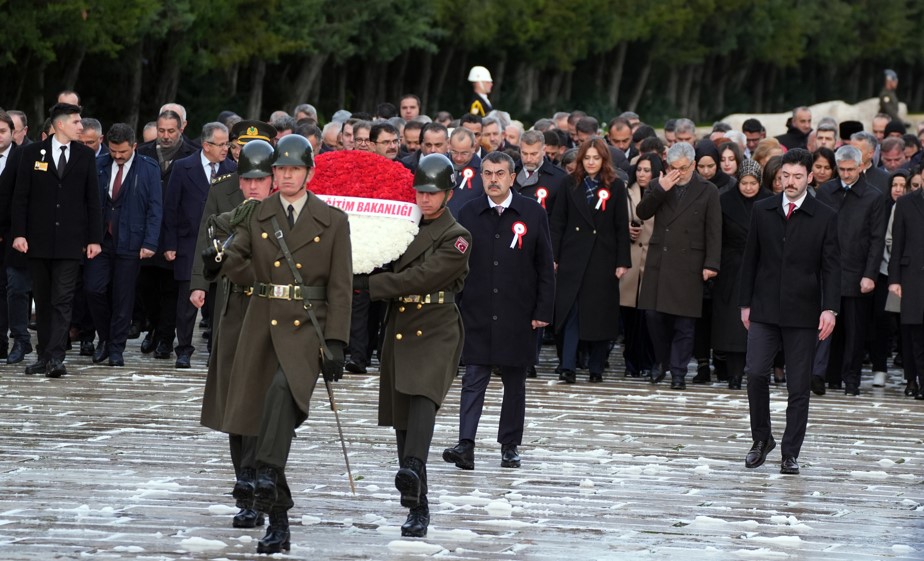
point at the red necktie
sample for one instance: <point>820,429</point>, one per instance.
<point>792,208</point>
<point>117,183</point>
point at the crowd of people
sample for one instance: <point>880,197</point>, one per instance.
<point>633,239</point>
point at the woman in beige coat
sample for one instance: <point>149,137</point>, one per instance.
<point>637,350</point>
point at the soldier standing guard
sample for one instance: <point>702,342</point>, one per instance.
<point>423,333</point>
<point>296,250</point>
<point>888,97</point>
<point>481,84</point>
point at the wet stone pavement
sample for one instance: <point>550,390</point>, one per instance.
<point>111,463</point>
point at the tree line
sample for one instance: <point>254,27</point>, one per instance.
<point>697,58</point>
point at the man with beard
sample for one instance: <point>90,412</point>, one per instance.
<point>538,179</point>
<point>384,139</point>
<point>434,140</point>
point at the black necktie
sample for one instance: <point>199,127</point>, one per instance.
<point>62,161</point>
<point>291,217</point>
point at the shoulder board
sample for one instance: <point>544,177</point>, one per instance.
<point>221,178</point>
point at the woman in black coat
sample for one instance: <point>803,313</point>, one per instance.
<point>728,333</point>
<point>590,242</point>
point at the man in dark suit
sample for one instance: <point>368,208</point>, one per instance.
<point>789,295</point>
<point>539,178</point>
<point>467,169</point>
<point>56,221</point>
<point>509,296</point>
<point>157,291</point>
<point>867,143</point>
<point>434,139</point>
<point>130,193</point>
<point>861,230</point>
<point>906,280</point>
<point>187,192</point>
<point>684,252</point>
<point>7,148</point>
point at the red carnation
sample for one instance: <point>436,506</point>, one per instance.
<point>355,173</point>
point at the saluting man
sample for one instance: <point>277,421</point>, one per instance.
<point>296,251</point>
<point>423,333</point>
<point>509,297</point>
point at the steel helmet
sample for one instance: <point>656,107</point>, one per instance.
<point>256,159</point>
<point>434,174</point>
<point>294,150</point>
<point>479,74</point>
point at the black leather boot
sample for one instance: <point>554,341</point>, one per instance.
<point>244,488</point>
<point>418,519</point>
<point>462,454</point>
<point>407,480</point>
<point>247,518</point>
<point>277,538</point>
<point>264,495</point>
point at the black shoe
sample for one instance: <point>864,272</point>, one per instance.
<point>56,369</point>
<point>657,374</point>
<point>38,367</point>
<point>407,480</point>
<point>182,361</point>
<point>19,352</point>
<point>851,390</point>
<point>678,383</point>
<point>531,372</point>
<point>897,361</point>
<point>789,466</point>
<point>818,385</point>
<point>86,349</point>
<point>277,538</point>
<point>134,330</point>
<point>596,378</point>
<point>33,326</point>
<point>509,456</point>
<point>462,455</point>
<point>911,388</point>
<point>244,488</point>
<point>116,359</point>
<point>919,396</point>
<point>203,323</point>
<point>264,492</point>
<point>734,383</point>
<point>163,350</point>
<point>702,375</point>
<point>567,376</point>
<point>148,344</point>
<point>4,350</point>
<point>417,520</point>
<point>101,354</point>
<point>779,376</point>
<point>354,367</point>
<point>757,455</point>
<point>247,518</point>
<point>835,386</point>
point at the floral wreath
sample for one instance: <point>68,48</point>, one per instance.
<point>378,195</point>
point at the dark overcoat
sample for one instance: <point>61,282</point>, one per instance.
<point>906,265</point>
<point>790,271</point>
<point>224,196</point>
<point>11,257</point>
<point>139,206</point>
<point>589,244</point>
<point>187,192</point>
<point>509,284</point>
<point>728,333</point>
<point>861,227</point>
<point>687,238</point>
<point>466,190</point>
<point>422,342</point>
<point>552,179</point>
<point>58,217</point>
<point>278,333</point>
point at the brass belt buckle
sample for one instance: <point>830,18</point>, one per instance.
<point>248,290</point>
<point>280,291</point>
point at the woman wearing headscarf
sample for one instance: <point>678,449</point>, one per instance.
<point>707,164</point>
<point>729,337</point>
<point>638,351</point>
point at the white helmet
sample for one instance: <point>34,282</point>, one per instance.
<point>479,74</point>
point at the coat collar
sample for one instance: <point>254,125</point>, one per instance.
<point>313,220</point>
<point>425,238</point>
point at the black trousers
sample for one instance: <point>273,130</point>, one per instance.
<point>848,341</point>
<point>639,350</point>
<point>243,452</point>
<point>913,357</point>
<point>109,282</point>
<point>360,350</point>
<point>53,284</point>
<point>281,416</point>
<point>185,320</point>
<point>414,442</point>
<point>158,291</point>
<point>764,340</point>
<point>513,407</point>
<point>880,344</point>
<point>672,337</point>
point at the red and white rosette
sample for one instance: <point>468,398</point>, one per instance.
<point>378,195</point>
<point>602,196</point>
<point>467,175</point>
<point>541,195</point>
<point>519,230</point>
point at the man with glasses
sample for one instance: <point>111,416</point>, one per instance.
<point>361,133</point>
<point>467,167</point>
<point>684,252</point>
<point>187,192</point>
<point>474,124</point>
<point>385,140</point>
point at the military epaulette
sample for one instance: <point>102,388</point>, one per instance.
<point>221,178</point>
<point>243,211</point>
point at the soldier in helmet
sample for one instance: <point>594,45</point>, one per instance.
<point>888,97</point>
<point>423,332</point>
<point>482,84</point>
<point>295,249</point>
<point>253,180</point>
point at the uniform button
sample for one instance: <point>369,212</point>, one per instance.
<point>296,323</point>
<point>274,322</point>
<point>298,265</point>
<point>495,291</point>
<point>399,336</point>
<point>58,205</point>
<point>419,333</point>
<point>496,236</point>
<point>419,306</point>
<point>640,244</point>
<point>264,235</point>
<point>577,228</point>
<point>276,264</point>
<point>317,239</point>
<point>494,318</point>
<point>401,309</point>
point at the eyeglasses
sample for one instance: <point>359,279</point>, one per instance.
<point>216,145</point>
<point>358,140</point>
<point>487,174</point>
<point>681,168</point>
<point>393,142</point>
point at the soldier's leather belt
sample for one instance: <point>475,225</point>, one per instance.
<point>240,289</point>
<point>435,298</point>
<point>290,292</point>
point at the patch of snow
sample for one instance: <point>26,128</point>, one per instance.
<point>222,509</point>
<point>710,523</point>
<point>499,507</point>
<point>780,541</point>
<point>869,474</point>
<point>310,520</point>
<point>202,544</point>
<point>901,548</point>
<point>414,547</point>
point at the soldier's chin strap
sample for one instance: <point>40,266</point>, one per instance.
<point>445,200</point>
<point>298,280</point>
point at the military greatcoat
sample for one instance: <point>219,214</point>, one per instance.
<point>277,332</point>
<point>423,342</point>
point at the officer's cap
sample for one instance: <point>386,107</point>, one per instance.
<point>245,131</point>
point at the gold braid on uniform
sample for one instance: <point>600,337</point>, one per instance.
<point>243,211</point>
